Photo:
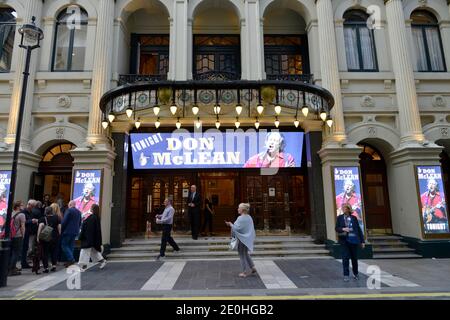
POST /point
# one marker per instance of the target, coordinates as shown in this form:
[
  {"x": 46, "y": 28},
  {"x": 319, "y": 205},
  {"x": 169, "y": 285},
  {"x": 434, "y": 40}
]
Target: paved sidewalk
[{"x": 280, "y": 278}]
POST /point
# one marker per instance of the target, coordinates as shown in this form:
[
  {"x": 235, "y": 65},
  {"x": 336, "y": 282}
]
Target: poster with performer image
[
  {"x": 5, "y": 181},
  {"x": 347, "y": 190},
  {"x": 432, "y": 200},
  {"x": 87, "y": 187}
]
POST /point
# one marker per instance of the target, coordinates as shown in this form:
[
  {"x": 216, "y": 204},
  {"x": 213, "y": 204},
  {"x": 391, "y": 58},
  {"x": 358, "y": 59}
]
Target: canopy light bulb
[
  {"x": 195, "y": 110},
  {"x": 173, "y": 109},
  {"x": 277, "y": 109},
  {"x": 296, "y": 123},
  {"x": 237, "y": 123},
  {"x": 156, "y": 110},
  {"x": 257, "y": 124},
  {"x": 157, "y": 123},
  {"x": 305, "y": 111},
  {"x": 329, "y": 122},
  {"x": 217, "y": 109},
  {"x": 217, "y": 124},
  {"x": 178, "y": 124},
  {"x": 260, "y": 109},
  {"x": 277, "y": 123},
  {"x": 198, "y": 124},
  {"x": 105, "y": 124},
  {"x": 323, "y": 115},
  {"x": 111, "y": 117},
  {"x": 238, "y": 109},
  {"x": 129, "y": 112},
  {"x": 138, "y": 123}
]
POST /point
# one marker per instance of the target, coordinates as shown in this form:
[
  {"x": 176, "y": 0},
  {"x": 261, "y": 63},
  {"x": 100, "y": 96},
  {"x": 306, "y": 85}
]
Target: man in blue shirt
[
  {"x": 70, "y": 227},
  {"x": 166, "y": 220}
]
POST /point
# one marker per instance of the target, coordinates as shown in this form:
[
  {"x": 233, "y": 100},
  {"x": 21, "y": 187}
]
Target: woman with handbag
[
  {"x": 47, "y": 238},
  {"x": 91, "y": 239},
  {"x": 243, "y": 231}
]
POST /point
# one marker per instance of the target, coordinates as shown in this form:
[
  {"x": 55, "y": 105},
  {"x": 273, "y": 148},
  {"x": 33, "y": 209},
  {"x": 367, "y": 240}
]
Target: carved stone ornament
[
  {"x": 444, "y": 132},
  {"x": 439, "y": 102},
  {"x": 372, "y": 131},
  {"x": 64, "y": 101},
  {"x": 59, "y": 133},
  {"x": 367, "y": 102}
]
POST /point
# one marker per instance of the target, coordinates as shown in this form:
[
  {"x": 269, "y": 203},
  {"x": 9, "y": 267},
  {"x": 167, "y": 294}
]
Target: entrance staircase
[
  {"x": 216, "y": 248},
  {"x": 391, "y": 247}
]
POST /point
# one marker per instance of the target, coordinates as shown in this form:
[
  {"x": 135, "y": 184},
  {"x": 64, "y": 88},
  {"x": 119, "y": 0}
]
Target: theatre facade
[{"x": 295, "y": 106}]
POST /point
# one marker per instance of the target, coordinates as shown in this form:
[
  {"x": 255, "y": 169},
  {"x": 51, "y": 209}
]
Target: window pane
[
  {"x": 420, "y": 49},
  {"x": 434, "y": 48},
  {"x": 367, "y": 49},
  {"x": 6, "y": 46},
  {"x": 351, "y": 48},
  {"x": 79, "y": 48},
  {"x": 62, "y": 48}
]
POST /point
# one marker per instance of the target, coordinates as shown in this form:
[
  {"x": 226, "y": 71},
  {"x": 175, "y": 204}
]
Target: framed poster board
[
  {"x": 347, "y": 190},
  {"x": 87, "y": 188},
  {"x": 431, "y": 197},
  {"x": 5, "y": 182}
]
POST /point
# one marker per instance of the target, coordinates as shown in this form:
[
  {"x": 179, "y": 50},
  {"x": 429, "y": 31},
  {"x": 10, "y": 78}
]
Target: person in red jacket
[{"x": 350, "y": 197}]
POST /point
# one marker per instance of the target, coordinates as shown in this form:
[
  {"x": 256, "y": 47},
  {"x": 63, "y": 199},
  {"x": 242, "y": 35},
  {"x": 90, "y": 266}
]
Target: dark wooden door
[{"x": 375, "y": 192}]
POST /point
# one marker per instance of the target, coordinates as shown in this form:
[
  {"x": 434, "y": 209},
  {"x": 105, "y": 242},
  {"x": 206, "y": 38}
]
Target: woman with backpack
[
  {"x": 47, "y": 237},
  {"x": 91, "y": 239}
]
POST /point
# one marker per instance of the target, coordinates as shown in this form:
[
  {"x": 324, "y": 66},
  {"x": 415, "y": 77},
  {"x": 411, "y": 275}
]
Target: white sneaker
[{"x": 102, "y": 264}]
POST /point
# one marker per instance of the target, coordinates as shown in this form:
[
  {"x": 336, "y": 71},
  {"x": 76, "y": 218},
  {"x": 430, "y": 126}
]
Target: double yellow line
[
  {"x": 290, "y": 297},
  {"x": 26, "y": 295}
]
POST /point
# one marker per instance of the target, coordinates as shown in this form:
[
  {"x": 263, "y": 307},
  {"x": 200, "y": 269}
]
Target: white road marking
[
  {"x": 272, "y": 276},
  {"x": 166, "y": 276}
]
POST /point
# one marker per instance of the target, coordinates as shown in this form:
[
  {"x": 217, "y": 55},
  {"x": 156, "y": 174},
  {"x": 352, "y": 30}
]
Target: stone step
[
  {"x": 386, "y": 250},
  {"x": 210, "y": 255},
  {"x": 384, "y": 238},
  {"x": 397, "y": 256},
  {"x": 389, "y": 244}
]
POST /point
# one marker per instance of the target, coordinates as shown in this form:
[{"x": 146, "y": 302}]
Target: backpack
[
  {"x": 46, "y": 234},
  {"x": 12, "y": 228}
]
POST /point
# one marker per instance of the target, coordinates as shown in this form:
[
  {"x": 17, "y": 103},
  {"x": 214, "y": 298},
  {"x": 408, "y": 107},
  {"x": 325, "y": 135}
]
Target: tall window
[
  {"x": 70, "y": 40},
  {"x": 7, "y": 31},
  {"x": 286, "y": 57},
  {"x": 359, "y": 42},
  {"x": 150, "y": 55},
  {"x": 427, "y": 41},
  {"x": 217, "y": 57}
]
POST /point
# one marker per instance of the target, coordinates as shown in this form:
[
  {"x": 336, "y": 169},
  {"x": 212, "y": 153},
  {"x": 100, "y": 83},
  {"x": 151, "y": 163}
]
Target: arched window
[
  {"x": 70, "y": 40},
  {"x": 7, "y": 32},
  {"x": 359, "y": 42},
  {"x": 427, "y": 41}
]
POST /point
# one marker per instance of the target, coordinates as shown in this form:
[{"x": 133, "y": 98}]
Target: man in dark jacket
[
  {"x": 194, "y": 203},
  {"x": 30, "y": 232},
  {"x": 70, "y": 227},
  {"x": 350, "y": 237}
]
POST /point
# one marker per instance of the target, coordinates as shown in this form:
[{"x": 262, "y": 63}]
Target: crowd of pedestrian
[{"x": 43, "y": 234}]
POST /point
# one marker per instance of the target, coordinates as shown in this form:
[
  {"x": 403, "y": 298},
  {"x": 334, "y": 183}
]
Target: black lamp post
[{"x": 31, "y": 38}]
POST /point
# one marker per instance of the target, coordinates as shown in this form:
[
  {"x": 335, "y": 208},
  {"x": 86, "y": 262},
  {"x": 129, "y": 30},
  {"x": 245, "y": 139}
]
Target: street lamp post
[{"x": 31, "y": 37}]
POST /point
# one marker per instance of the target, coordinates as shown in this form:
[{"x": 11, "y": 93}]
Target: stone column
[
  {"x": 252, "y": 39},
  {"x": 32, "y": 8},
  {"x": 409, "y": 118},
  {"x": 313, "y": 140},
  {"x": 180, "y": 33},
  {"x": 101, "y": 73},
  {"x": 329, "y": 66}
]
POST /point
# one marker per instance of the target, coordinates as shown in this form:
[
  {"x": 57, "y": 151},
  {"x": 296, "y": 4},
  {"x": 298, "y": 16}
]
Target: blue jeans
[
  {"x": 67, "y": 246},
  {"x": 349, "y": 252}
]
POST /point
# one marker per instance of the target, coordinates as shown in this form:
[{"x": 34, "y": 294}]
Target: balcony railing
[
  {"x": 217, "y": 76},
  {"x": 132, "y": 78},
  {"x": 305, "y": 78}
]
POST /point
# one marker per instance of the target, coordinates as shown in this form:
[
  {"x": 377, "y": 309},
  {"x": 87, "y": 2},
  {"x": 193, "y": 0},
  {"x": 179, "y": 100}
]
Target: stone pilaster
[
  {"x": 329, "y": 66},
  {"x": 409, "y": 118},
  {"x": 101, "y": 73},
  {"x": 32, "y": 8},
  {"x": 180, "y": 43},
  {"x": 252, "y": 42}
]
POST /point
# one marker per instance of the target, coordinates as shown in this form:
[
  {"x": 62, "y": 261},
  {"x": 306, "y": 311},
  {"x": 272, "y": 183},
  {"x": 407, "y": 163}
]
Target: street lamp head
[{"x": 31, "y": 33}]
